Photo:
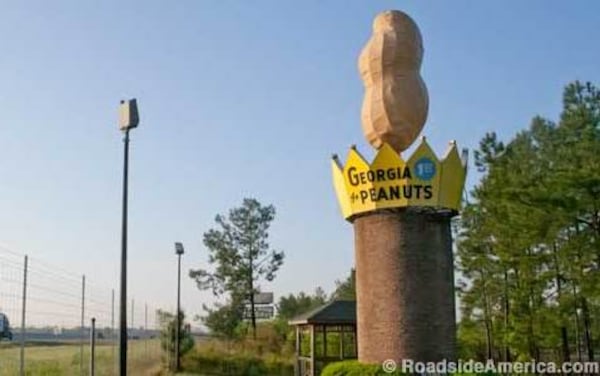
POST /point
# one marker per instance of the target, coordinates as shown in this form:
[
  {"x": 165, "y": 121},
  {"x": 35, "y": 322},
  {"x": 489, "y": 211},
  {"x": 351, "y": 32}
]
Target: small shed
[{"x": 324, "y": 335}]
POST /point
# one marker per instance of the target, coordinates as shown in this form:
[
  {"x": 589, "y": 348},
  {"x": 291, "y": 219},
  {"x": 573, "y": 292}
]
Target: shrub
[
  {"x": 168, "y": 333},
  {"x": 354, "y": 368}
]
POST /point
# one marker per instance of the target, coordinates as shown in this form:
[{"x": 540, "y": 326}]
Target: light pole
[
  {"x": 128, "y": 119},
  {"x": 178, "y": 252}
]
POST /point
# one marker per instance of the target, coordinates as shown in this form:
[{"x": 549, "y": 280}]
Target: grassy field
[{"x": 51, "y": 359}]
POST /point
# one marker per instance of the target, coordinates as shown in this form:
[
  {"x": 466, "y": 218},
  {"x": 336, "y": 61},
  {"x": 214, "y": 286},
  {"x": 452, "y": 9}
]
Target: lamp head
[
  {"x": 178, "y": 248},
  {"x": 128, "y": 114}
]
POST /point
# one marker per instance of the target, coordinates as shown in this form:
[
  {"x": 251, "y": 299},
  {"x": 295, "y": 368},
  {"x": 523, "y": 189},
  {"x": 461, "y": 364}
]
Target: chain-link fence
[{"x": 45, "y": 323}]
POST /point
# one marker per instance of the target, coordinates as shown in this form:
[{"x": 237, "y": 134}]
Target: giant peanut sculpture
[
  {"x": 395, "y": 103},
  {"x": 400, "y": 207}
]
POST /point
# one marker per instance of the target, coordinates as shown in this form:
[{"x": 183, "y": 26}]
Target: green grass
[{"x": 144, "y": 358}]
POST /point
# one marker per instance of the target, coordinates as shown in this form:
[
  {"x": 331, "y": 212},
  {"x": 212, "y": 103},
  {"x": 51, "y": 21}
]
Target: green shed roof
[{"x": 336, "y": 312}]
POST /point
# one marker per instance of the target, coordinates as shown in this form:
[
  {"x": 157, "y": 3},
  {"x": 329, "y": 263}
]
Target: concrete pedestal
[{"x": 404, "y": 286}]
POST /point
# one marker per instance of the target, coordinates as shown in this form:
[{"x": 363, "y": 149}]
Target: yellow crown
[{"x": 390, "y": 182}]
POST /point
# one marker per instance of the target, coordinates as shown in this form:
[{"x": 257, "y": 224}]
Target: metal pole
[
  {"x": 146, "y": 330},
  {"x": 132, "y": 328},
  {"x": 112, "y": 330},
  {"x": 123, "y": 300},
  {"x": 132, "y": 306},
  {"x": 23, "y": 310},
  {"x": 93, "y": 346},
  {"x": 178, "y": 319},
  {"x": 82, "y": 325}
]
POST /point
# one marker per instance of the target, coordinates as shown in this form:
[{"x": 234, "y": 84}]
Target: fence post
[
  {"x": 23, "y": 310},
  {"x": 146, "y": 330},
  {"x": 132, "y": 328},
  {"x": 92, "y": 346},
  {"x": 112, "y": 331},
  {"x": 82, "y": 325},
  {"x": 132, "y": 305}
]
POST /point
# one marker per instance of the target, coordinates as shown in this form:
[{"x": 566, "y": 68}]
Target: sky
[{"x": 239, "y": 99}]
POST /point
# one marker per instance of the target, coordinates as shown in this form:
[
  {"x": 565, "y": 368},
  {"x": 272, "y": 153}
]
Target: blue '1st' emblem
[{"x": 425, "y": 169}]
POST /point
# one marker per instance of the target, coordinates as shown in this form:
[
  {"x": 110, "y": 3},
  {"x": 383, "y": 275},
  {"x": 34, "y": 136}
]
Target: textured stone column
[{"x": 404, "y": 286}]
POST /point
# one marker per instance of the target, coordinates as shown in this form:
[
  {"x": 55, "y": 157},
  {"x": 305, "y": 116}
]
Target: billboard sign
[
  {"x": 263, "y": 298},
  {"x": 263, "y": 312}
]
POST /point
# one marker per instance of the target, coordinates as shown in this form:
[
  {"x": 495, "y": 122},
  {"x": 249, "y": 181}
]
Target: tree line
[{"x": 528, "y": 239}]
